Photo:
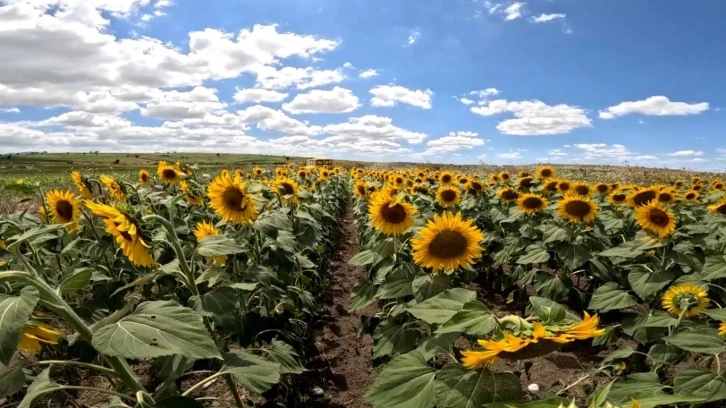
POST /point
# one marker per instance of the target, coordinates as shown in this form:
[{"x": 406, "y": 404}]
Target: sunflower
[
  {"x": 522, "y": 174},
  {"x": 563, "y": 186},
  {"x": 545, "y": 172},
  {"x": 446, "y": 178},
  {"x": 602, "y": 188},
  {"x": 447, "y": 242},
  {"x": 126, "y": 233},
  {"x": 494, "y": 178},
  {"x": 420, "y": 188},
  {"x": 722, "y": 329},
  {"x": 398, "y": 180},
  {"x": 618, "y": 197},
  {"x": 34, "y": 334},
  {"x": 144, "y": 177},
  {"x": 64, "y": 208},
  {"x": 230, "y": 200},
  {"x": 655, "y": 217},
  {"x": 288, "y": 188},
  {"x": 390, "y": 216},
  {"x": 586, "y": 329},
  {"x": 551, "y": 186},
  {"x": 691, "y": 196},
  {"x": 718, "y": 185},
  {"x": 359, "y": 189},
  {"x": 323, "y": 174},
  {"x": 697, "y": 187},
  {"x": 504, "y": 176},
  {"x": 642, "y": 196},
  {"x": 525, "y": 182},
  {"x": 239, "y": 172},
  {"x": 81, "y": 184},
  {"x": 258, "y": 171},
  {"x": 666, "y": 196},
  {"x": 2, "y": 246},
  {"x": 167, "y": 173},
  {"x": 475, "y": 187},
  {"x": 372, "y": 188},
  {"x": 507, "y": 195},
  {"x": 582, "y": 189},
  {"x": 718, "y": 208},
  {"x": 302, "y": 173},
  {"x": 463, "y": 180},
  {"x": 685, "y": 299},
  {"x": 448, "y": 196},
  {"x": 115, "y": 190},
  {"x": 205, "y": 229},
  {"x": 531, "y": 203},
  {"x": 679, "y": 184},
  {"x": 577, "y": 209},
  {"x": 191, "y": 197}
]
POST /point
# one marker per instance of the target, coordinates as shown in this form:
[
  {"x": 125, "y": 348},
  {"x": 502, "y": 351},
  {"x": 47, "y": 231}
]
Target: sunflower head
[
  {"x": 685, "y": 299},
  {"x": 602, "y": 188},
  {"x": 504, "y": 176},
  {"x": 83, "y": 186},
  {"x": 642, "y": 196},
  {"x": 718, "y": 185},
  {"x": 144, "y": 177},
  {"x": 531, "y": 203},
  {"x": 448, "y": 196},
  {"x": 229, "y": 198},
  {"x": 564, "y": 186},
  {"x": 258, "y": 171},
  {"x": 115, "y": 189},
  {"x": 507, "y": 195},
  {"x": 618, "y": 197},
  {"x": 691, "y": 196},
  {"x": 522, "y": 174},
  {"x": 168, "y": 173},
  {"x": 666, "y": 196},
  {"x": 494, "y": 178},
  {"x": 206, "y": 229},
  {"x": 446, "y": 177},
  {"x": 390, "y": 216},
  {"x": 582, "y": 189},
  {"x": 551, "y": 186},
  {"x": 420, "y": 189},
  {"x": 447, "y": 242},
  {"x": 360, "y": 190},
  {"x": 287, "y": 188},
  {"x": 525, "y": 182},
  {"x": 697, "y": 187},
  {"x": 679, "y": 183},
  {"x": 545, "y": 172},
  {"x": 656, "y": 218},
  {"x": 64, "y": 208},
  {"x": 34, "y": 335},
  {"x": 718, "y": 208},
  {"x": 475, "y": 187},
  {"x": 577, "y": 209}
]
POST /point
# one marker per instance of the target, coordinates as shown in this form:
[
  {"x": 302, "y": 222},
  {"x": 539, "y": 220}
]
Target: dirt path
[{"x": 343, "y": 365}]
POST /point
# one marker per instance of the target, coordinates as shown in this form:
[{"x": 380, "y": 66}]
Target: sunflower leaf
[
  {"x": 474, "y": 318},
  {"x": 15, "y": 312},
  {"x": 646, "y": 283},
  {"x": 457, "y": 387},
  {"x": 392, "y": 338},
  {"x": 283, "y": 354},
  {"x": 406, "y": 382},
  {"x": 12, "y": 378},
  {"x": 700, "y": 382},
  {"x": 216, "y": 245},
  {"x": 704, "y": 340},
  {"x": 429, "y": 285},
  {"x": 636, "y": 386},
  {"x": 440, "y": 308},
  {"x": 271, "y": 223},
  {"x": 40, "y": 387},
  {"x": 714, "y": 267},
  {"x": 78, "y": 280},
  {"x": 364, "y": 293},
  {"x": 535, "y": 253},
  {"x": 610, "y": 297},
  {"x": 253, "y": 372},
  {"x": 221, "y": 300}
]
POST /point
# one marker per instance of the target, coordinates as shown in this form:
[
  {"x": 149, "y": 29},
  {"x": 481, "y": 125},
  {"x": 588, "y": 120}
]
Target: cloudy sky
[{"x": 452, "y": 81}]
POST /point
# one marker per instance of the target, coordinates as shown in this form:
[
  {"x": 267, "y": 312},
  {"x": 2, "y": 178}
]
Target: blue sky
[{"x": 452, "y": 81}]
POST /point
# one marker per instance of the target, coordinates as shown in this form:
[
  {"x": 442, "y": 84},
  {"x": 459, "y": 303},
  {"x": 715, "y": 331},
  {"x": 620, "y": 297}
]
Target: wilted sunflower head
[
  {"x": 551, "y": 186},
  {"x": 389, "y": 215},
  {"x": 577, "y": 209},
  {"x": 144, "y": 177},
  {"x": 642, "y": 196},
  {"x": 545, "y": 172},
  {"x": 602, "y": 188},
  {"x": 447, "y": 242},
  {"x": 475, "y": 187},
  {"x": 685, "y": 299},
  {"x": 448, "y": 196},
  {"x": 718, "y": 208},
  {"x": 656, "y": 218},
  {"x": 582, "y": 189},
  {"x": 446, "y": 177},
  {"x": 691, "y": 196},
  {"x": 531, "y": 203},
  {"x": 64, "y": 208},
  {"x": 564, "y": 186},
  {"x": 507, "y": 195},
  {"x": 525, "y": 182},
  {"x": 359, "y": 189},
  {"x": 81, "y": 184}
]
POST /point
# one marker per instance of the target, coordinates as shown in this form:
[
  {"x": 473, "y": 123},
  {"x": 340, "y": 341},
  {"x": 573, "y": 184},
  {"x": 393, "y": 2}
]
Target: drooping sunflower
[
  {"x": 545, "y": 172},
  {"x": 360, "y": 190},
  {"x": 642, "y": 197},
  {"x": 525, "y": 182},
  {"x": 655, "y": 217},
  {"x": 551, "y": 186},
  {"x": 582, "y": 189},
  {"x": 82, "y": 185},
  {"x": 288, "y": 188},
  {"x": 144, "y": 177},
  {"x": 231, "y": 201},
  {"x": 563, "y": 186},
  {"x": 389, "y": 215},
  {"x": 722, "y": 329},
  {"x": 34, "y": 335},
  {"x": 602, "y": 188},
  {"x": 504, "y": 176},
  {"x": 421, "y": 189},
  {"x": 507, "y": 195},
  {"x": 447, "y": 242},
  {"x": 168, "y": 173},
  {"x": 718, "y": 208},
  {"x": 448, "y": 196},
  {"x": 475, "y": 187},
  {"x": 618, "y": 197},
  {"x": 531, "y": 203},
  {"x": 446, "y": 178},
  {"x": 115, "y": 190},
  {"x": 686, "y": 299},
  {"x": 577, "y": 209},
  {"x": 126, "y": 233},
  {"x": 494, "y": 178},
  {"x": 64, "y": 208},
  {"x": 691, "y": 196},
  {"x": 205, "y": 229},
  {"x": 190, "y": 195}
]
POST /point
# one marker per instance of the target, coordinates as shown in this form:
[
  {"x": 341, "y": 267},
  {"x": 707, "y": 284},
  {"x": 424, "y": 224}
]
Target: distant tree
[
  {"x": 217, "y": 154},
  {"x": 116, "y": 161},
  {"x": 136, "y": 155},
  {"x": 96, "y": 152},
  {"x": 10, "y": 156},
  {"x": 84, "y": 153}
]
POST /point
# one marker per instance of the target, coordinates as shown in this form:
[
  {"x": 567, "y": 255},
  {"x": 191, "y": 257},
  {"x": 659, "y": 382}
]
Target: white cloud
[
  {"x": 389, "y": 95},
  {"x": 258, "y": 95},
  {"x": 9, "y": 110},
  {"x": 535, "y": 117},
  {"x": 602, "y": 150},
  {"x": 368, "y": 73},
  {"x": 196, "y": 103},
  {"x": 485, "y": 92},
  {"x": 510, "y": 155},
  {"x": 556, "y": 152},
  {"x": 302, "y": 78},
  {"x": 646, "y": 157},
  {"x": 347, "y": 65},
  {"x": 654, "y": 106},
  {"x": 682, "y": 153},
  {"x": 371, "y": 127},
  {"x": 466, "y": 101},
  {"x": 337, "y": 100},
  {"x": 413, "y": 37},
  {"x": 454, "y": 141},
  {"x": 544, "y": 18},
  {"x": 513, "y": 12}
]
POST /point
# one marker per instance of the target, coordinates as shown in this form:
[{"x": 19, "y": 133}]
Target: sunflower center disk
[
  {"x": 448, "y": 244},
  {"x": 126, "y": 236},
  {"x": 445, "y": 179},
  {"x": 448, "y": 195},
  {"x": 659, "y": 217},
  {"x": 577, "y": 208},
  {"x": 169, "y": 173},
  {"x": 721, "y": 209},
  {"x": 532, "y": 202},
  {"x": 394, "y": 214},
  {"x": 233, "y": 198},
  {"x": 64, "y": 209},
  {"x": 510, "y": 195},
  {"x": 643, "y": 198},
  {"x": 581, "y": 190},
  {"x": 288, "y": 188}
]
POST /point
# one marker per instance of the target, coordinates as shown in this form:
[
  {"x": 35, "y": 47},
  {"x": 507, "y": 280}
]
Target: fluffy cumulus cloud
[
  {"x": 686, "y": 153},
  {"x": 511, "y": 155},
  {"x": 535, "y": 117},
  {"x": 654, "y": 106},
  {"x": 513, "y": 11},
  {"x": 369, "y": 73},
  {"x": 258, "y": 95},
  {"x": 390, "y": 95},
  {"x": 453, "y": 142},
  {"x": 337, "y": 100}
]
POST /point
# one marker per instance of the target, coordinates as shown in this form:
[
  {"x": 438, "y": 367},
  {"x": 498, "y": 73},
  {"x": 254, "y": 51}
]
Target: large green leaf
[
  {"x": 253, "y": 372},
  {"x": 365, "y": 257},
  {"x": 14, "y": 314},
  {"x": 574, "y": 256},
  {"x": 610, "y": 297},
  {"x": 535, "y": 253},
  {"x": 154, "y": 329},
  {"x": 646, "y": 283},
  {"x": 78, "y": 280},
  {"x": 537, "y": 303},
  {"x": 406, "y": 382},
  {"x": 392, "y": 338},
  {"x": 437, "y": 344},
  {"x": 705, "y": 340},
  {"x": 619, "y": 354},
  {"x": 714, "y": 267},
  {"x": 661, "y": 400},
  {"x": 284, "y": 355},
  {"x": 457, "y": 387},
  {"x": 636, "y": 386},
  {"x": 552, "y": 287},
  {"x": 718, "y": 314},
  {"x": 40, "y": 387},
  {"x": 272, "y": 223},
  {"x": 12, "y": 377},
  {"x": 429, "y": 285},
  {"x": 397, "y": 284},
  {"x": 554, "y": 233},
  {"x": 441, "y": 308},
  {"x": 700, "y": 382},
  {"x": 665, "y": 354},
  {"x": 474, "y": 318},
  {"x": 364, "y": 293},
  {"x": 221, "y": 300},
  {"x": 215, "y": 245}
]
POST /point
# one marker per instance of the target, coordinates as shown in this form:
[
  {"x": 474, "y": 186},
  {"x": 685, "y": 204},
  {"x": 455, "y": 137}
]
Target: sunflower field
[{"x": 189, "y": 279}]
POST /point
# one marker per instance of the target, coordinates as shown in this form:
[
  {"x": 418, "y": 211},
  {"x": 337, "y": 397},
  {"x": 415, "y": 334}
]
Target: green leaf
[
  {"x": 244, "y": 286},
  {"x": 714, "y": 267},
  {"x": 457, "y": 387},
  {"x": 12, "y": 378},
  {"x": 154, "y": 329},
  {"x": 539, "y": 302},
  {"x": 636, "y": 386},
  {"x": 552, "y": 287},
  {"x": 718, "y": 314},
  {"x": 535, "y": 253},
  {"x": 704, "y": 340},
  {"x": 33, "y": 233},
  {"x": 392, "y": 338},
  {"x": 624, "y": 250},
  {"x": 221, "y": 300},
  {"x": 554, "y": 233},
  {"x": 216, "y": 245},
  {"x": 429, "y": 285},
  {"x": 272, "y": 223},
  {"x": 441, "y": 308},
  {"x": 15, "y": 312},
  {"x": 609, "y": 297},
  {"x": 406, "y": 382},
  {"x": 253, "y": 372},
  {"x": 474, "y": 318},
  {"x": 363, "y": 258},
  {"x": 662, "y": 400},
  {"x": 574, "y": 255},
  {"x": 656, "y": 318},
  {"x": 20, "y": 188},
  {"x": 76, "y": 281},
  {"x": 41, "y": 386},
  {"x": 619, "y": 354},
  {"x": 178, "y": 402},
  {"x": 437, "y": 344},
  {"x": 168, "y": 369},
  {"x": 283, "y": 354},
  {"x": 397, "y": 284},
  {"x": 364, "y": 293},
  {"x": 599, "y": 397},
  {"x": 645, "y": 283},
  {"x": 700, "y": 382},
  {"x": 665, "y": 354}
]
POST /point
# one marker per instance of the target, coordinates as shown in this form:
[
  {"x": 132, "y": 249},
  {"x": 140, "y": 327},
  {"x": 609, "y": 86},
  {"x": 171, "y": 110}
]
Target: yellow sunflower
[
  {"x": 507, "y": 195},
  {"x": 667, "y": 196},
  {"x": 126, "y": 233},
  {"x": 144, "y": 177},
  {"x": 81, "y": 184},
  {"x": 531, "y": 203},
  {"x": 551, "y": 186},
  {"x": 582, "y": 189},
  {"x": 448, "y": 196},
  {"x": 463, "y": 180},
  {"x": 686, "y": 299},
  {"x": 288, "y": 188},
  {"x": 389, "y": 215},
  {"x": 230, "y": 200},
  {"x": 679, "y": 184},
  {"x": 722, "y": 329},
  {"x": 577, "y": 209},
  {"x": 2, "y": 246},
  {"x": 475, "y": 187},
  {"x": 718, "y": 185},
  {"x": 168, "y": 173},
  {"x": 545, "y": 172},
  {"x": 494, "y": 178},
  {"x": 697, "y": 187},
  {"x": 360, "y": 190},
  {"x": 718, "y": 208},
  {"x": 115, "y": 190},
  {"x": 563, "y": 186},
  {"x": 602, "y": 188},
  {"x": 302, "y": 173},
  {"x": 525, "y": 182},
  {"x": 64, "y": 208},
  {"x": 447, "y": 242},
  {"x": 618, "y": 197},
  {"x": 691, "y": 196},
  {"x": 34, "y": 335},
  {"x": 642, "y": 197},
  {"x": 191, "y": 196},
  {"x": 446, "y": 178},
  {"x": 421, "y": 189},
  {"x": 258, "y": 171},
  {"x": 656, "y": 218},
  {"x": 504, "y": 177},
  {"x": 205, "y": 229},
  {"x": 522, "y": 174}
]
